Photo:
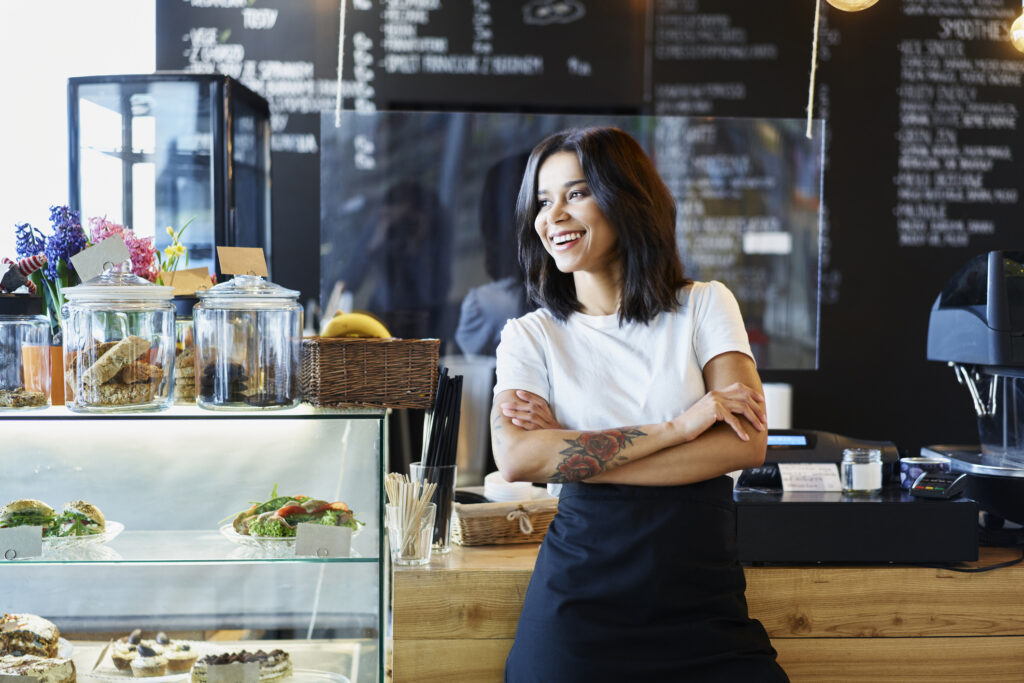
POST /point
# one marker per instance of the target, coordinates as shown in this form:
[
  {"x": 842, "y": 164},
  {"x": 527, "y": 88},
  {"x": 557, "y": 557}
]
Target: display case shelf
[{"x": 172, "y": 478}]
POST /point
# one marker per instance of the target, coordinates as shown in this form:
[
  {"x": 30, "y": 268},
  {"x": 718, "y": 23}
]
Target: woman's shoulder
[
  {"x": 697, "y": 292},
  {"x": 537, "y": 323}
]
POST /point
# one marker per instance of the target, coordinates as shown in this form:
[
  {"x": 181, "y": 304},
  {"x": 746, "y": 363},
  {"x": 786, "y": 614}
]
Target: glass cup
[
  {"x": 409, "y": 535},
  {"x": 444, "y": 497}
]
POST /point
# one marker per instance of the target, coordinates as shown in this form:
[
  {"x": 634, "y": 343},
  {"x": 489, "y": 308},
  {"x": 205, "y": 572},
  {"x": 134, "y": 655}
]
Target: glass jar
[
  {"x": 24, "y": 353},
  {"x": 184, "y": 352},
  {"x": 118, "y": 344},
  {"x": 861, "y": 471},
  {"x": 248, "y": 345}
]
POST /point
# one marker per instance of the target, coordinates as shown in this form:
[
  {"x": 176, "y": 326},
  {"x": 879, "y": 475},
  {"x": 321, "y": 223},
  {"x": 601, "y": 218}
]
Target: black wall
[{"x": 920, "y": 99}]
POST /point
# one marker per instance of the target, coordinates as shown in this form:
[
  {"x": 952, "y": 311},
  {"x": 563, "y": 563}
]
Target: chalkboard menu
[{"x": 921, "y": 102}]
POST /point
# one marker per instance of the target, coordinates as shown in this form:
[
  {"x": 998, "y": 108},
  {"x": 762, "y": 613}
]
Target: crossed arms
[{"x": 722, "y": 432}]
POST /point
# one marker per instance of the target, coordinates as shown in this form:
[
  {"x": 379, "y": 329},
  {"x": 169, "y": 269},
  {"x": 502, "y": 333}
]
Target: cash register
[{"x": 774, "y": 525}]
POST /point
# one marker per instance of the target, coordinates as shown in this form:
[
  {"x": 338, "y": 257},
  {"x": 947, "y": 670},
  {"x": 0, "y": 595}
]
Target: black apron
[{"x": 640, "y": 583}]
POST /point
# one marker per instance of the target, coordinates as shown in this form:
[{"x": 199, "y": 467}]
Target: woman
[{"x": 634, "y": 388}]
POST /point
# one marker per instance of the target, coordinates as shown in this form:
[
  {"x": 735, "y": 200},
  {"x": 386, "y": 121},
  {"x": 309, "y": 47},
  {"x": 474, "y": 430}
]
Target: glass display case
[
  {"x": 170, "y": 485},
  {"x": 150, "y": 151}
]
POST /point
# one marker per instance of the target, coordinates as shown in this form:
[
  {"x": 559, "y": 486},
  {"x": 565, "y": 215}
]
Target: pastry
[
  {"x": 180, "y": 657},
  {"x": 148, "y": 663},
  {"x": 274, "y": 665},
  {"x": 139, "y": 371},
  {"x": 42, "y": 669},
  {"x": 117, "y": 357},
  {"x": 28, "y": 634}
]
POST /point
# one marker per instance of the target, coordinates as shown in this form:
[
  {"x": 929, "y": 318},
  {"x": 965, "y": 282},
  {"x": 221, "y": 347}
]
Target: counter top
[{"x": 454, "y": 619}]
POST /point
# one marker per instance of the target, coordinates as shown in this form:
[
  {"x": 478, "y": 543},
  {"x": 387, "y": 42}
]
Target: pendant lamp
[
  {"x": 1017, "y": 31},
  {"x": 851, "y": 5}
]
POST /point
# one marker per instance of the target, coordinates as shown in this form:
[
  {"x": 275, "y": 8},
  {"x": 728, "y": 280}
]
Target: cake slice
[
  {"x": 274, "y": 665},
  {"x": 28, "y": 634},
  {"x": 43, "y": 669}
]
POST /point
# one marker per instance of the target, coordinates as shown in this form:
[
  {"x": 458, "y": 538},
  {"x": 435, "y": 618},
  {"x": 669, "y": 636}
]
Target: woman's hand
[
  {"x": 530, "y": 412},
  {"x": 724, "y": 405}
]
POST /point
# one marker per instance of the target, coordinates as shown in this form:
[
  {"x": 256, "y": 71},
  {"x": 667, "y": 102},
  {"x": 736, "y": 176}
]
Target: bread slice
[
  {"x": 42, "y": 669},
  {"x": 28, "y": 634}
]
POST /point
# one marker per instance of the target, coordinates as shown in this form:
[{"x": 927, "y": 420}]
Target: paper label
[
  {"x": 235, "y": 672},
  {"x": 317, "y": 540},
  {"x": 93, "y": 261},
  {"x": 242, "y": 261},
  {"x": 810, "y": 476},
  {"x": 21, "y": 541},
  {"x": 188, "y": 281}
]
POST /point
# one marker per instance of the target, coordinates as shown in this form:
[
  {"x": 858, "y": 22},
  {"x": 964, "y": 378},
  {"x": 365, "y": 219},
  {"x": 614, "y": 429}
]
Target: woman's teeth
[{"x": 566, "y": 237}]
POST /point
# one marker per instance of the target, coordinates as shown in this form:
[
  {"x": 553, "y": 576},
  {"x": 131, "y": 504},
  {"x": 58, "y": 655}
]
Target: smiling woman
[{"x": 637, "y": 577}]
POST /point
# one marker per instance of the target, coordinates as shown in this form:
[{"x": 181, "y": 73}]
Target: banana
[{"x": 355, "y": 325}]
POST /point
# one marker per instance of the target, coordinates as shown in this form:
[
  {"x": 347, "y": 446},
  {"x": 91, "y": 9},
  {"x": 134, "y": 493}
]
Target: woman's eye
[
  {"x": 543, "y": 202},
  {"x": 575, "y": 194}
]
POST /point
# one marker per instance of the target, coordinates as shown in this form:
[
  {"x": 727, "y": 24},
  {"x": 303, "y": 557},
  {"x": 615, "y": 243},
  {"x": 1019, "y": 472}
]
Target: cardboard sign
[
  {"x": 235, "y": 672},
  {"x": 21, "y": 541},
  {"x": 188, "y": 281},
  {"x": 810, "y": 476},
  {"x": 317, "y": 540},
  {"x": 242, "y": 261},
  {"x": 93, "y": 261}
]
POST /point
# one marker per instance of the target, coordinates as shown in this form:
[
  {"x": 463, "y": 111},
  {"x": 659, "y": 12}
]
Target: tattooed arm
[
  {"x": 696, "y": 448},
  {"x": 530, "y": 446}
]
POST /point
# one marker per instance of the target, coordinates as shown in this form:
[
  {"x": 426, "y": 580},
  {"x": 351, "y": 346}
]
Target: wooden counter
[{"x": 454, "y": 620}]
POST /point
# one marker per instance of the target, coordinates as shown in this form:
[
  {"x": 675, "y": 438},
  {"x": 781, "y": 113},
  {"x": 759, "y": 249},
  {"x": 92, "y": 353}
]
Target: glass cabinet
[
  {"x": 169, "y": 485},
  {"x": 155, "y": 150}
]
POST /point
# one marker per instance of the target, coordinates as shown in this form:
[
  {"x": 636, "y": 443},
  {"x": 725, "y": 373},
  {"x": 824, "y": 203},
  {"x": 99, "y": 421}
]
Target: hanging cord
[
  {"x": 814, "y": 67},
  {"x": 341, "y": 62}
]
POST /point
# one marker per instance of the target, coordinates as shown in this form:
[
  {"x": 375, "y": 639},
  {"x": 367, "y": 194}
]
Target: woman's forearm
[
  {"x": 566, "y": 455},
  {"x": 714, "y": 453}
]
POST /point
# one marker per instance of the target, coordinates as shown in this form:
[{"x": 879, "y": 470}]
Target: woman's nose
[{"x": 557, "y": 212}]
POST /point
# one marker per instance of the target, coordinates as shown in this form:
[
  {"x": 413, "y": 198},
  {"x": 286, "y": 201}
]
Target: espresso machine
[{"x": 977, "y": 327}]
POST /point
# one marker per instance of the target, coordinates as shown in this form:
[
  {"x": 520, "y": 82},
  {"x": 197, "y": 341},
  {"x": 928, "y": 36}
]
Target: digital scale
[{"x": 800, "y": 527}]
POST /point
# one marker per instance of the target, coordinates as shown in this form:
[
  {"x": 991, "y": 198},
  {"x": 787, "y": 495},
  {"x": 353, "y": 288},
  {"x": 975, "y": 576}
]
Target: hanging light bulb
[
  {"x": 851, "y": 5},
  {"x": 1017, "y": 31}
]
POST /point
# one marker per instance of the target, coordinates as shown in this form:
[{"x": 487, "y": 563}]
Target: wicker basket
[
  {"x": 378, "y": 373},
  {"x": 495, "y": 523}
]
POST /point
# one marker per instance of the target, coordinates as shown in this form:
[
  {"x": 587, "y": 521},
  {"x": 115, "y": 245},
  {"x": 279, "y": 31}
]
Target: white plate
[
  {"x": 107, "y": 535},
  {"x": 270, "y": 543},
  {"x": 106, "y": 671},
  {"x": 313, "y": 676},
  {"x": 273, "y": 544},
  {"x": 64, "y": 648}
]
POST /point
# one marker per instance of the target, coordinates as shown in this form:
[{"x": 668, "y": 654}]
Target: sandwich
[
  {"x": 26, "y": 512},
  {"x": 79, "y": 518},
  {"x": 280, "y": 516}
]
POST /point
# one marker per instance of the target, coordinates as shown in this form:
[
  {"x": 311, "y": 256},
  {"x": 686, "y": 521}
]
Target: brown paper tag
[
  {"x": 242, "y": 261},
  {"x": 188, "y": 281}
]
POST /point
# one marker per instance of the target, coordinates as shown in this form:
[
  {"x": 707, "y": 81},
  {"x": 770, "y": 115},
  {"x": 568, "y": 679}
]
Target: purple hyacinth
[
  {"x": 67, "y": 239},
  {"x": 28, "y": 240}
]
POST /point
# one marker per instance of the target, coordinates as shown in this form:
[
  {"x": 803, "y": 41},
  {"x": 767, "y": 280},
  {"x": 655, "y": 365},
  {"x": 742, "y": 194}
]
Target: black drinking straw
[{"x": 440, "y": 441}]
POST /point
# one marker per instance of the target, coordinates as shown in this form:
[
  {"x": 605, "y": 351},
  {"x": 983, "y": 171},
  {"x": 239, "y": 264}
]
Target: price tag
[
  {"x": 810, "y": 476},
  {"x": 235, "y": 672},
  {"x": 92, "y": 261},
  {"x": 242, "y": 261},
  {"x": 21, "y": 541},
  {"x": 317, "y": 540},
  {"x": 188, "y": 281}
]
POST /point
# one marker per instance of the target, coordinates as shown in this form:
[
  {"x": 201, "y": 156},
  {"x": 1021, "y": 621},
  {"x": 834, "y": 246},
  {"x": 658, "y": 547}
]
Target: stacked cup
[{"x": 498, "y": 490}]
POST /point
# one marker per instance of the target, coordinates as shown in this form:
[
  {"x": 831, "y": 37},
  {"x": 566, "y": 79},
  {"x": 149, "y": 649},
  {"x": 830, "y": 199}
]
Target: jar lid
[
  {"x": 116, "y": 285},
  {"x": 251, "y": 287},
  {"x": 21, "y": 304}
]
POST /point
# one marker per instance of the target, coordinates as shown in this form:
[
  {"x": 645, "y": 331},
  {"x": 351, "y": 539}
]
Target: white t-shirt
[{"x": 597, "y": 375}]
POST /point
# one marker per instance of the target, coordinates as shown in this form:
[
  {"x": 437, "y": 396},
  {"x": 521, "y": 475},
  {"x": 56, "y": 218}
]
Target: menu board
[{"x": 919, "y": 99}]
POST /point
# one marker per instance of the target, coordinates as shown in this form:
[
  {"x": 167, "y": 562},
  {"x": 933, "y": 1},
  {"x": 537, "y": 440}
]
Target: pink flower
[{"x": 140, "y": 249}]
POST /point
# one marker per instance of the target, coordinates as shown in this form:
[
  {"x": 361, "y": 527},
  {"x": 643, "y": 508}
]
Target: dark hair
[{"x": 640, "y": 209}]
